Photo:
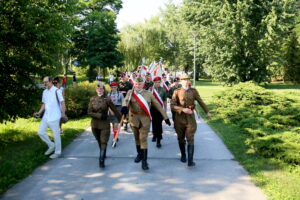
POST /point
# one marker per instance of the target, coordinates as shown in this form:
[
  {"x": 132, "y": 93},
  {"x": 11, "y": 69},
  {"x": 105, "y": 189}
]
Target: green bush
[
  {"x": 77, "y": 99},
  {"x": 270, "y": 121}
]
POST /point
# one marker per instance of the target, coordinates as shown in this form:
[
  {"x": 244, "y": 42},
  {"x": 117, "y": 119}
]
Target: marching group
[{"x": 139, "y": 101}]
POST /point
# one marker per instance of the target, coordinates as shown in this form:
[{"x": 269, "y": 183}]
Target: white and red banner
[
  {"x": 142, "y": 103},
  {"x": 158, "y": 97},
  {"x": 165, "y": 86}
]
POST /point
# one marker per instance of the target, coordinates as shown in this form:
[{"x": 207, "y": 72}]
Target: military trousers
[
  {"x": 140, "y": 126},
  {"x": 185, "y": 127},
  {"x": 157, "y": 119},
  {"x": 102, "y": 136}
]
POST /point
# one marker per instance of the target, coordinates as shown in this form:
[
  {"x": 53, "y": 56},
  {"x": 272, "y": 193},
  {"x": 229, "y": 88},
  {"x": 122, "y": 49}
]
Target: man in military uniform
[
  {"x": 175, "y": 86},
  {"x": 139, "y": 102},
  {"x": 124, "y": 87},
  {"x": 148, "y": 83},
  {"x": 161, "y": 96},
  {"x": 185, "y": 124},
  {"x": 97, "y": 109}
]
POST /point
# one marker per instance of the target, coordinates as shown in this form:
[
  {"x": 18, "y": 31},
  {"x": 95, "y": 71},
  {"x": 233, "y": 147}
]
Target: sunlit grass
[{"x": 21, "y": 149}]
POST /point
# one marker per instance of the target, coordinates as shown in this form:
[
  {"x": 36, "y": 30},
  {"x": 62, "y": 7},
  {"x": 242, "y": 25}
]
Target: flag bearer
[{"x": 161, "y": 96}]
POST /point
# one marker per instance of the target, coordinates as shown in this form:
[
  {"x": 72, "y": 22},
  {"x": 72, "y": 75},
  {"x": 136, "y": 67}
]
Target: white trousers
[{"x": 54, "y": 126}]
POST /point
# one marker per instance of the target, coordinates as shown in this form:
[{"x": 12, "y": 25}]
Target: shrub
[
  {"x": 77, "y": 99},
  {"x": 271, "y": 121}
]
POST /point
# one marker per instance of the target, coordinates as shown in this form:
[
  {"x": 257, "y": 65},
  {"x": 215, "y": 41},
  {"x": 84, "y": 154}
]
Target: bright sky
[{"x": 135, "y": 11}]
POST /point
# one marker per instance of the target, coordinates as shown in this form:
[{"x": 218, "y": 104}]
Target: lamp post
[{"x": 194, "y": 35}]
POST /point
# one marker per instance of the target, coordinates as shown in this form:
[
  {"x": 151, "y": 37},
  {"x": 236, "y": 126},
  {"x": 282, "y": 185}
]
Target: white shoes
[
  {"x": 53, "y": 156},
  {"x": 50, "y": 150}
]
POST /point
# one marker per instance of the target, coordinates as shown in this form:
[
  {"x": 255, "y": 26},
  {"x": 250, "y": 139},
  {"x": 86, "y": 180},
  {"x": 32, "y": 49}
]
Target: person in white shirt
[
  {"x": 54, "y": 107},
  {"x": 111, "y": 78}
]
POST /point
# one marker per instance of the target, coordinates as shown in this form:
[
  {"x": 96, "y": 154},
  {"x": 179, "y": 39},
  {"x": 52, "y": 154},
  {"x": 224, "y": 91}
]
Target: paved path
[{"x": 77, "y": 176}]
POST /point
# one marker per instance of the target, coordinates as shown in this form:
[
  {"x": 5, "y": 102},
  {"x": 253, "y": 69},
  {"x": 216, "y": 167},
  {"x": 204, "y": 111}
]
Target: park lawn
[
  {"x": 22, "y": 150},
  {"x": 279, "y": 181}
]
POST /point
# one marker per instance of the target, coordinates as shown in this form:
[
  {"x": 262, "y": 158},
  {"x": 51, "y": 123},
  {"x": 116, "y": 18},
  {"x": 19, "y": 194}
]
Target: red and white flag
[
  {"x": 142, "y": 103},
  {"x": 144, "y": 70},
  {"x": 158, "y": 97},
  {"x": 131, "y": 79}
]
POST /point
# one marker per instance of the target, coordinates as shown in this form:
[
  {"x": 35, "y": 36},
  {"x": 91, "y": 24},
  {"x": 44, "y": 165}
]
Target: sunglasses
[{"x": 54, "y": 83}]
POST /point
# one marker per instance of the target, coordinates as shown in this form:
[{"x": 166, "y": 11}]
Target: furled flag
[
  {"x": 144, "y": 70},
  {"x": 131, "y": 79}
]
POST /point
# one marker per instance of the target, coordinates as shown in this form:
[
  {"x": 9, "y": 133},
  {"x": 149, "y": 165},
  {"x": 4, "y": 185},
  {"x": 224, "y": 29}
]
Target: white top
[
  {"x": 52, "y": 108},
  {"x": 111, "y": 77},
  {"x": 116, "y": 97}
]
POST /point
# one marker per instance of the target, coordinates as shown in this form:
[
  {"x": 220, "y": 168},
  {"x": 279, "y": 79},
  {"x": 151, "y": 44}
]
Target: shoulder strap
[{"x": 57, "y": 98}]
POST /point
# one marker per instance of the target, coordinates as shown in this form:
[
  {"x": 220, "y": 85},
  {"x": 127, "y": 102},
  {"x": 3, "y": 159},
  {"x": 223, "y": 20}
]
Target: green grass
[
  {"x": 207, "y": 89},
  {"x": 279, "y": 180},
  {"x": 21, "y": 149}
]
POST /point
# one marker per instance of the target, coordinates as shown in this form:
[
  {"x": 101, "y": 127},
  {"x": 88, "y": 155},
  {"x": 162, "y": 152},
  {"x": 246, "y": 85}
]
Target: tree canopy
[
  {"x": 32, "y": 34},
  {"x": 35, "y": 35},
  {"x": 236, "y": 41}
]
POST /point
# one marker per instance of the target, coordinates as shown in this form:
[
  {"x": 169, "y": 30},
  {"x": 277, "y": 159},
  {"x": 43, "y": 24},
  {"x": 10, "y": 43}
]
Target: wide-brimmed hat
[{"x": 184, "y": 77}]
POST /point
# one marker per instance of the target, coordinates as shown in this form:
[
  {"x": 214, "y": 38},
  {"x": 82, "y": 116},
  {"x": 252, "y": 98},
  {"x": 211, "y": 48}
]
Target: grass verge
[
  {"x": 279, "y": 180},
  {"x": 21, "y": 149}
]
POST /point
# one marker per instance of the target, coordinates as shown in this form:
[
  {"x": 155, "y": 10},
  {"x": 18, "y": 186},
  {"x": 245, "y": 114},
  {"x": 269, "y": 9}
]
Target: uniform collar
[{"x": 139, "y": 92}]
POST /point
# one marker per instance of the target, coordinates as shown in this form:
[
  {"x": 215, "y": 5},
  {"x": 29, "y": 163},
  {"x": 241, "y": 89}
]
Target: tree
[
  {"x": 32, "y": 33},
  {"x": 179, "y": 39},
  {"x": 241, "y": 39},
  {"x": 146, "y": 39},
  {"x": 96, "y": 39}
]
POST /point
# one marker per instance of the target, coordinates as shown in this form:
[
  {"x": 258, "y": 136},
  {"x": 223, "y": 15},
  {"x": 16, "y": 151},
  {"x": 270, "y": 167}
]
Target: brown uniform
[
  {"x": 138, "y": 119},
  {"x": 99, "y": 106},
  {"x": 185, "y": 124}
]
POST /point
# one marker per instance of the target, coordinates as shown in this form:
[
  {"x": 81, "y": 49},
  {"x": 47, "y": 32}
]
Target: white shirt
[
  {"x": 111, "y": 77},
  {"x": 52, "y": 108}
]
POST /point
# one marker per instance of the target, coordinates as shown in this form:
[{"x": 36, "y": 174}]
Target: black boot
[
  {"x": 139, "y": 156},
  {"x": 144, "y": 161},
  {"x": 158, "y": 144},
  {"x": 182, "y": 150},
  {"x": 191, "y": 155},
  {"x": 102, "y": 158},
  {"x": 153, "y": 139}
]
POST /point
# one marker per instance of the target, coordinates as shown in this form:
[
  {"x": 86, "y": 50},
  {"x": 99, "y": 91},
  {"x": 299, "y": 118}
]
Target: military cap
[
  {"x": 123, "y": 75},
  {"x": 176, "y": 79},
  {"x": 139, "y": 79},
  {"x": 184, "y": 77},
  {"x": 114, "y": 84},
  {"x": 100, "y": 85},
  {"x": 157, "y": 78}
]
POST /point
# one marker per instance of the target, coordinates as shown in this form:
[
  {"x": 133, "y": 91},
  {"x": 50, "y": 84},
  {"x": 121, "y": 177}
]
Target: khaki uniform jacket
[
  {"x": 185, "y": 99},
  {"x": 136, "y": 112},
  {"x": 99, "y": 106}
]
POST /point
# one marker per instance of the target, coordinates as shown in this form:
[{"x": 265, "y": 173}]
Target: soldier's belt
[{"x": 138, "y": 113}]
